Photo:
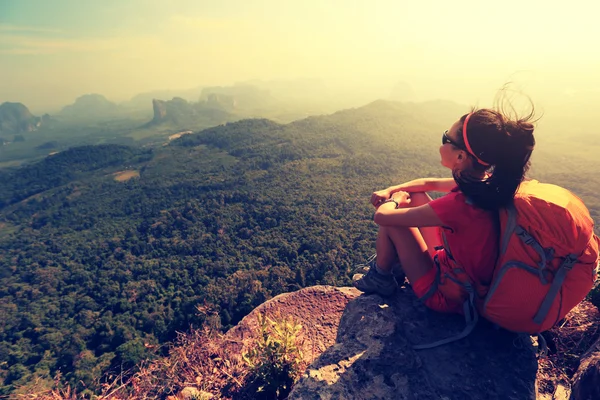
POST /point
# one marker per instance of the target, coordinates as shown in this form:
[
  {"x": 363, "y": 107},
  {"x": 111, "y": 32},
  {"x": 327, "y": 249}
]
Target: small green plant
[{"x": 275, "y": 361}]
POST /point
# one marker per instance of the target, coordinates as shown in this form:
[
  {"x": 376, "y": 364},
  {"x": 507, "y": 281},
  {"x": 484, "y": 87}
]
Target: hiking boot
[
  {"x": 374, "y": 282},
  {"x": 397, "y": 270}
]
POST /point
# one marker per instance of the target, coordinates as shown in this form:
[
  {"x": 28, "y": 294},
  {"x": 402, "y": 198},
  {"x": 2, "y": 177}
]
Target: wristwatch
[{"x": 392, "y": 200}]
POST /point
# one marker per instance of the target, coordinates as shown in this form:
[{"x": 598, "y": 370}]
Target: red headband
[{"x": 467, "y": 145}]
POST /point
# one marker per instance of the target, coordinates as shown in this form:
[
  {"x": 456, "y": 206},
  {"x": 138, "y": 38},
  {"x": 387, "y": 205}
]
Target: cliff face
[
  {"x": 248, "y": 97},
  {"x": 362, "y": 347},
  {"x": 160, "y": 110},
  {"x": 16, "y": 118},
  {"x": 185, "y": 114},
  {"x": 373, "y": 357},
  {"x": 221, "y": 102}
]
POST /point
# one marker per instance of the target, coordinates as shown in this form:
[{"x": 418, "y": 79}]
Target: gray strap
[
  {"x": 471, "y": 318},
  {"x": 446, "y": 247},
  {"x": 532, "y": 242},
  {"x": 559, "y": 278},
  {"x": 503, "y": 270},
  {"x": 433, "y": 287},
  {"x": 511, "y": 225}
]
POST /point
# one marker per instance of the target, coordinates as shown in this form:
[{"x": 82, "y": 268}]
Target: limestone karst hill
[{"x": 16, "y": 118}]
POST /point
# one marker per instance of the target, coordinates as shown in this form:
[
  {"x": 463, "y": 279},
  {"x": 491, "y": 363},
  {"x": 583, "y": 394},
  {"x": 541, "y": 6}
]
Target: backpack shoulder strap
[
  {"x": 559, "y": 278},
  {"x": 509, "y": 228}
]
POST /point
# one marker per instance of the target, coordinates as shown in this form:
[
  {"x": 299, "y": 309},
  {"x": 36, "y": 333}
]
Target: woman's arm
[
  {"x": 418, "y": 185},
  {"x": 388, "y": 215},
  {"x": 425, "y": 185}
]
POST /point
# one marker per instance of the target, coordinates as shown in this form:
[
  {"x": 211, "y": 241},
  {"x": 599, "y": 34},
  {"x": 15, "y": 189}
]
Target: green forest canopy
[{"x": 93, "y": 270}]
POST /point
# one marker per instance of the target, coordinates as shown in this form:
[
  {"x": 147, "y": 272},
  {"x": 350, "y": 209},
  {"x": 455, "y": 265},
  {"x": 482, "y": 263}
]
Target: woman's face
[{"x": 453, "y": 157}]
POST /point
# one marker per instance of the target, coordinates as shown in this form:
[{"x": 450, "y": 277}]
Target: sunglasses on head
[{"x": 447, "y": 139}]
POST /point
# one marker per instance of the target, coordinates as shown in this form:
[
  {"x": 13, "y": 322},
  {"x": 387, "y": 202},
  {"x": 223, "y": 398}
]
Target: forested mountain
[
  {"x": 149, "y": 119},
  {"x": 59, "y": 169},
  {"x": 106, "y": 251}
]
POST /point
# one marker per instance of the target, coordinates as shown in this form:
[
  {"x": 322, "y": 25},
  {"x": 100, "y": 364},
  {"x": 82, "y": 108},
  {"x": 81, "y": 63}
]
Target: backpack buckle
[
  {"x": 527, "y": 238},
  {"x": 569, "y": 261}
]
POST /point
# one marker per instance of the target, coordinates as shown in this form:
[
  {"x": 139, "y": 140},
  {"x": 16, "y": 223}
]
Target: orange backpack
[
  {"x": 547, "y": 261},
  {"x": 547, "y": 264}
]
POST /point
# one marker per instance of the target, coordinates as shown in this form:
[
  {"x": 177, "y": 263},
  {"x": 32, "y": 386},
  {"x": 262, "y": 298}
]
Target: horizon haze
[{"x": 463, "y": 51}]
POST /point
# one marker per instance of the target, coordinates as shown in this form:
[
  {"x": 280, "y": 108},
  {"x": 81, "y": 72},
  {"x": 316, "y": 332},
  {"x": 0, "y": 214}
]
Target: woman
[{"x": 488, "y": 154}]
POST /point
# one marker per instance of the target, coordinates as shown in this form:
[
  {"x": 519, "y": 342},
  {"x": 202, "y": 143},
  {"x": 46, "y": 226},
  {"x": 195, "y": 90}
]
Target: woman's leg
[
  {"x": 413, "y": 247},
  {"x": 417, "y": 265},
  {"x": 431, "y": 234},
  {"x": 406, "y": 244},
  {"x": 387, "y": 256},
  {"x": 409, "y": 245}
]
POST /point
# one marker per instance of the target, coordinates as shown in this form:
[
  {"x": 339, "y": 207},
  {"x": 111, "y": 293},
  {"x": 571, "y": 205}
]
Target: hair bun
[{"x": 521, "y": 133}]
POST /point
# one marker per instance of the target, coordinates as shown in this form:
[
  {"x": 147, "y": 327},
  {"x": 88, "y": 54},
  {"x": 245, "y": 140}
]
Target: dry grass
[
  {"x": 567, "y": 343},
  {"x": 179, "y": 134},
  {"x": 126, "y": 175},
  {"x": 202, "y": 359},
  {"x": 44, "y": 389}
]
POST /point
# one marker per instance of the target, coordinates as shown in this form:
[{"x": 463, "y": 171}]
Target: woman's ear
[{"x": 461, "y": 159}]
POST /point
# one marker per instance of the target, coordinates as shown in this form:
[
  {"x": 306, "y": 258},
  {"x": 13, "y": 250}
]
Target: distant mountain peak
[
  {"x": 93, "y": 104},
  {"x": 16, "y": 118},
  {"x": 185, "y": 114}
]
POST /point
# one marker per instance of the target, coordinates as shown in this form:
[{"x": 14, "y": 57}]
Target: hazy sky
[{"x": 52, "y": 51}]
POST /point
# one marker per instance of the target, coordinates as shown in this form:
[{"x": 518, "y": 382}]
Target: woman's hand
[
  {"x": 403, "y": 198},
  {"x": 380, "y": 196}
]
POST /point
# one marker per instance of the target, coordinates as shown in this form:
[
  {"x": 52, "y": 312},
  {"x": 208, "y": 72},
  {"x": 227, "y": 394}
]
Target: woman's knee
[{"x": 419, "y": 198}]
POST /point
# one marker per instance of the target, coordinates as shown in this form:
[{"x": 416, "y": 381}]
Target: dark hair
[{"x": 503, "y": 143}]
